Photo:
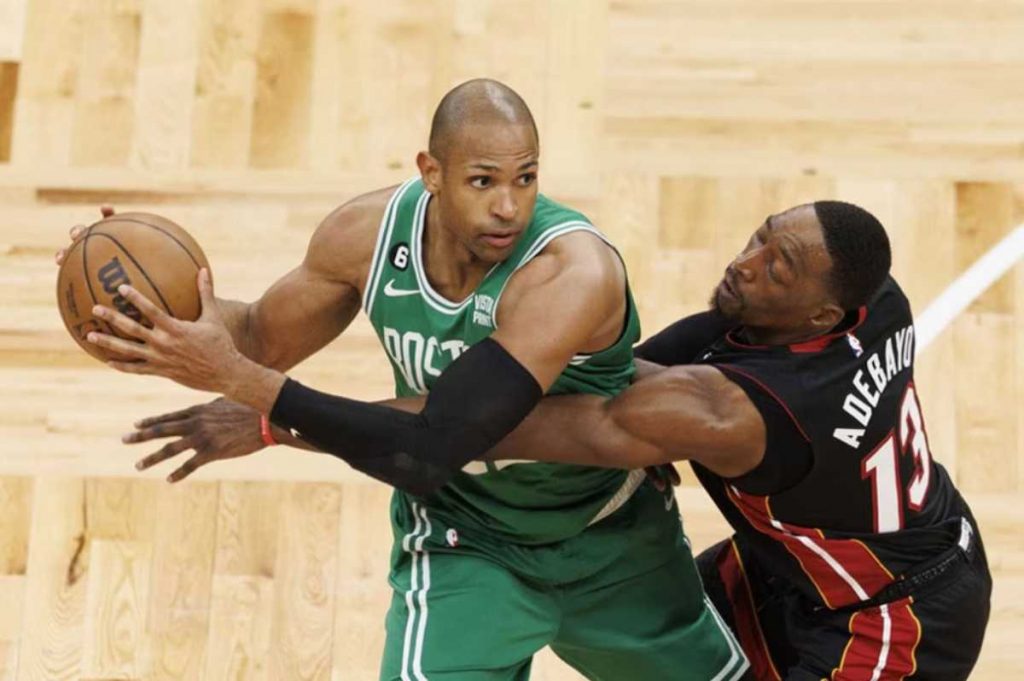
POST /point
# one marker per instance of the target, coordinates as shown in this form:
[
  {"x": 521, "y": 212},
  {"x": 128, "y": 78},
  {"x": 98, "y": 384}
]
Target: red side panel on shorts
[
  {"x": 883, "y": 644},
  {"x": 844, "y": 571},
  {"x": 748, "y": 627}
]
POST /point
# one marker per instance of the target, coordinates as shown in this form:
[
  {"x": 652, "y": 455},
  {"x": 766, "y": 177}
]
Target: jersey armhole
[
  {"x": 542, "y": 242},
  {"x": 384, "y": 231},
  {"x": 788, "y": 455}
]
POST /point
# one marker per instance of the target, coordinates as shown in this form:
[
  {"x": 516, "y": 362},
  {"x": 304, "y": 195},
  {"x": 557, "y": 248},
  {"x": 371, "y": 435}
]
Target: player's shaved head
[{"x": 481, "y": 101}]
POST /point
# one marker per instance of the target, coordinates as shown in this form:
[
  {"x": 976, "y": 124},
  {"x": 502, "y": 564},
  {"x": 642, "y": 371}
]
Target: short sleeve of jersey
[
  {"x": 682, "y": 341},
  {"x": 787, "y": 456}
]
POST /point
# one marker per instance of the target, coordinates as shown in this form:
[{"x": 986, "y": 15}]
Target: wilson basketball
[{"x": 152, "y": 254}]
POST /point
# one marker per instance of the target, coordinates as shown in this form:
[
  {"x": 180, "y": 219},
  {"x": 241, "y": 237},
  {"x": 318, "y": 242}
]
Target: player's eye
[
  {"x": 480, "y": 181},
  {"x": 526, "y": 179}
]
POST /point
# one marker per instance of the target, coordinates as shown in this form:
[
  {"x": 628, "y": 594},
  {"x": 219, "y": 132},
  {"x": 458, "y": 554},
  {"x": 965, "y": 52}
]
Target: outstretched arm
[
  {"x": 484, "y": 394},
  {"x": 312, "y": 304},
  {"x": 578, "y": 281},
  {"x": 687, "y": 412}
]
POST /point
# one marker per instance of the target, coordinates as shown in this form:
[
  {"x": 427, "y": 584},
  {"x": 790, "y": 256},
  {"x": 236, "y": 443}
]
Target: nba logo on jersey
[
  {"x": 855, "y": 345},
  {"x": 452, "y": 537}
]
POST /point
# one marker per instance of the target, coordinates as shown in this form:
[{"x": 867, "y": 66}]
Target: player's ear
[
  {"x": 430, "y": 171},
  {"x": 827, "y": 316}
]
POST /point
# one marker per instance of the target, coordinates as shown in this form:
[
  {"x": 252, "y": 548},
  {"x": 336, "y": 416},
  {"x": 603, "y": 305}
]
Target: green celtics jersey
[{"x": 422, "y": 333}]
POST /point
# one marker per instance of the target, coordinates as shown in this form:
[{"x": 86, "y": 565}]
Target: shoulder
[
  {"x": 342, "y": 245},
  {"x": 724, "y": 402},
  {"x": 550, "y": 213},
  {"x": 580, "y": 257},
  {"x": 720, "y": 393}
]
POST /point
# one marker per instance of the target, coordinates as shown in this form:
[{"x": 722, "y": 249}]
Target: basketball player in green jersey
[{"x": 468, "y": 266}]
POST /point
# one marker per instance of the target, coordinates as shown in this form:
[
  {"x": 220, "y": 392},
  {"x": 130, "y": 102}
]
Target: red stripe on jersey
[
  {"x": 844, "y": 571},
  {"x": 821, "y": 342},
  {"x": 748, "y": 627},
  {"x": 882, "y": 646}
]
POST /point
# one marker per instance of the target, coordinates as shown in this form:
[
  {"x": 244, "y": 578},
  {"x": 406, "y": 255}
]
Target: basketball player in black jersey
[{"x": 854, "y": 557}]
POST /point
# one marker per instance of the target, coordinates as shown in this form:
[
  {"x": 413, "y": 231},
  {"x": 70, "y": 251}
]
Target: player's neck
[
  {"x": 451, "y": 268},
  {"x": 765, "y": 336}
]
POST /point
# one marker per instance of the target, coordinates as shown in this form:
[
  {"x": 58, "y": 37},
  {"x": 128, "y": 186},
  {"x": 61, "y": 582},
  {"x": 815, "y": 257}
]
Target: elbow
[
  {"x": 247, "y": 339},
  {"x": 426, "y": 485},
  {"x": 427, "y": 478},
  {"x": 415, "y": 475}
]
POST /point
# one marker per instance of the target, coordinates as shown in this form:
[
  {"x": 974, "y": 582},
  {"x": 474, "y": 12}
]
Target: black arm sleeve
[
  {"x": 478, "y": 400},
  {"x": 681, "y": 342}
]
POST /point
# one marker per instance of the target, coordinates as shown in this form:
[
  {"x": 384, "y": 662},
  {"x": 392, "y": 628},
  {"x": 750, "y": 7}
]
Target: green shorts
[{"x": 620, "y": 602}]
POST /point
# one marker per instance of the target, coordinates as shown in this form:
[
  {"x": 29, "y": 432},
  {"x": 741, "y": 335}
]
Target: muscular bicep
[
  {"x": 691, "y": 412},
  {"x": 312, "y": 304},
  {"x": 300, "y": 314},
  {"x": 569, "y": 299}
]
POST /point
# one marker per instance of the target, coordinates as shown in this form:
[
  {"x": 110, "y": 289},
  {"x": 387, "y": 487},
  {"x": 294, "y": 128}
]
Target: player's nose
[
  {"x": 504, "y": 206},
  {"x": 743, "y": 266}
]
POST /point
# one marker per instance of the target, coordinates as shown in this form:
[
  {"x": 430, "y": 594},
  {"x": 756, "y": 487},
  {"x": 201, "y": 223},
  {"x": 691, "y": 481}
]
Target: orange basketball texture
[{"x": 152, "y": 254}]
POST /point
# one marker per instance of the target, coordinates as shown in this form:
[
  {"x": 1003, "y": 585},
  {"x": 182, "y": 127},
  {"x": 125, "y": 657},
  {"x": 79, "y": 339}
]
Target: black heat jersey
[{"x": 872, "y": 503}]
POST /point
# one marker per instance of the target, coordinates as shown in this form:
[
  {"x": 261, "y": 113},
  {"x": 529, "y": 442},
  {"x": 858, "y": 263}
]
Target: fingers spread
[
  {"x": 132, "y": 367},
  {"x": 119, "y": 345},
  {"x": 157, "y": 431},
  {"x": 166, "y": 452},
  {"x": 187, "y": 468},
  {"x": 122, "y": 323},
  {"x": 164, "y": 418},
  {"x": 145, "y": 306}
]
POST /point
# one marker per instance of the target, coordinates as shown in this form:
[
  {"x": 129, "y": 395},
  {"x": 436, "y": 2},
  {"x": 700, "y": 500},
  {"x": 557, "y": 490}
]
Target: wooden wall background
[{"x": 676, "y": 125}]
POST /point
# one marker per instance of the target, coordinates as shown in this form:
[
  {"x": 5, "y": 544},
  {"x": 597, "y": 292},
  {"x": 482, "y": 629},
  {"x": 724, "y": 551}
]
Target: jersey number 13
[{"x": 882, "y": 466}]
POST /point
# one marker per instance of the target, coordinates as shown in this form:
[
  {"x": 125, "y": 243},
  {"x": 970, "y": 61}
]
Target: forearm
[
  {"x": 577, "y": 429},
  {"x": 557, "y": 430},
  {"x": 236, "y": 316},
  {"x": 283, "y": 436},
  {"x": 418, "y": 452}
]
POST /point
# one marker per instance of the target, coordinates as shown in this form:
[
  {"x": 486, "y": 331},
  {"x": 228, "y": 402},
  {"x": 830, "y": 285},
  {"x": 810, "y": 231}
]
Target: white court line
[{"x": 968, "y": 286}]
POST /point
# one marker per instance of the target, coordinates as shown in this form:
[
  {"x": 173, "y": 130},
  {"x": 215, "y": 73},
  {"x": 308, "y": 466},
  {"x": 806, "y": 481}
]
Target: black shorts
[{"x": 934, "y": 634}]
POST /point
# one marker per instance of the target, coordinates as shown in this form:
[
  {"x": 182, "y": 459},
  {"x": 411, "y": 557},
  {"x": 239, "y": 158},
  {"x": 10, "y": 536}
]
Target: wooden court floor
[{"x": 676, "y": 125}]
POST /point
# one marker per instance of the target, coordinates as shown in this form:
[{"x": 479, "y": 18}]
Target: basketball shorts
[
  {"x": 622, "y": 601},
  {"x": 932, "y": 633}
]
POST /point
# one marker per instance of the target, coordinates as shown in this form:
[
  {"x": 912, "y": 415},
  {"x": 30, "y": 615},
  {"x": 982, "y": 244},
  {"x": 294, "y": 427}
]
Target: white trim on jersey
[
  {"x": 836, "y": 566},
  {"x": 737, "y": 655},
  {"x": 409, "y": 607},
  {"x": 883, "y": 654},
  {"x": 549, "y": 235},
  {"x": 427, "y": 292},
  {"x": 387, "y": 226},
  {"x": 633, "y": 480},
  {"x": 412, "y": 653},
  {"x": 417, "y": 660}
]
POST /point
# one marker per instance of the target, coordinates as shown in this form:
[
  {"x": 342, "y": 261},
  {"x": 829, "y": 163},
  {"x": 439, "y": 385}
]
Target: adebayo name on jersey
[{"x": 881, "y": 366}]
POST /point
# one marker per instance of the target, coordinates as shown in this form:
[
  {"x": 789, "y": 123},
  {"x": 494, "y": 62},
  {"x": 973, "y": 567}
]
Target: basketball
[{"x": 152, "y": 254}]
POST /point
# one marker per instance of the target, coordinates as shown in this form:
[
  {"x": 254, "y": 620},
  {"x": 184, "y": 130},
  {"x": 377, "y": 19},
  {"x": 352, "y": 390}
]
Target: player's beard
[{"x": 715, "y": 303}]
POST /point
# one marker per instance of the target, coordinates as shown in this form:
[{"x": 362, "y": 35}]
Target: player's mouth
[
  {"x": 500, "y": 240},
  {"x": 728, "y": 289}
]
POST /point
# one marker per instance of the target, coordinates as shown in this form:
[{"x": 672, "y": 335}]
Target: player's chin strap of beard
[{"x": 478, "y": 400}]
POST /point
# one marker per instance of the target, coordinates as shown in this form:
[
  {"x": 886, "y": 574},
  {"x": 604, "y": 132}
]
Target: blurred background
[{"x": 676, "y": 126}]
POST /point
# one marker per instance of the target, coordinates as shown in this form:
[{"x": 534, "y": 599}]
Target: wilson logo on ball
[{"x": 111, "y": 276}]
